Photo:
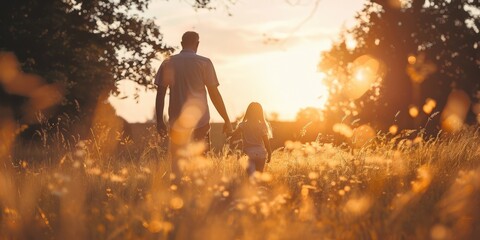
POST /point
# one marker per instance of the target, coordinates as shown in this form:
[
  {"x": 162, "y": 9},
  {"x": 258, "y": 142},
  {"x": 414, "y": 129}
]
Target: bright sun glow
[{"x": 286, "y": 82}]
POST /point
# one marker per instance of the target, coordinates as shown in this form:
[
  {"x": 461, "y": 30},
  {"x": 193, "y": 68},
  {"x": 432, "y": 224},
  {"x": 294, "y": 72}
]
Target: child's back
[
  {"x": 252, "y": 134},
  {"x": 256, "y": 145}
]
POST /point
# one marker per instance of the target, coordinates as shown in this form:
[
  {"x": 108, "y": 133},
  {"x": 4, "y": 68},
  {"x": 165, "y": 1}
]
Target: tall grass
[{"x": 391, "y": 188}]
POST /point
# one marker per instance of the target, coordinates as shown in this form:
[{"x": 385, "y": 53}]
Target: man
[{"x": 188, "y": 76}]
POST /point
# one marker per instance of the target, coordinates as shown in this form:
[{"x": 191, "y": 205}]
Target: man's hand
[
  {"x": 227, "y": 129},
  {"x": 162, "y": 129}
]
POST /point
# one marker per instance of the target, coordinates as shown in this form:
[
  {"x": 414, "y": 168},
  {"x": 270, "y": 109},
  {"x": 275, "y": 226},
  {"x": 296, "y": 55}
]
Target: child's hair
[{"x": 255, "y": 113}]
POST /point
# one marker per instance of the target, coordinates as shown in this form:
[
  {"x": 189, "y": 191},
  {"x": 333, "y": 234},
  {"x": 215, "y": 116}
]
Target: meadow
[{"x": 402, "y": 186}]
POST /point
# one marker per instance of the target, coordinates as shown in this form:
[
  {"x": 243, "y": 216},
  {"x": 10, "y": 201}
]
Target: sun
[{"x": 294, "y": 85}]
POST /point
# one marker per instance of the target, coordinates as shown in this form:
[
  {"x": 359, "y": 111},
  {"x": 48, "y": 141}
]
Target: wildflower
[
  {"x": 157, "y": 226},
  {"x": 77, "y": 164},
  {"x": 109, "y": 217},
  {"x": 289, "y": 145},
  {"x": 81, "y": 144},
  {"x": 243, "y": 162},
  {"x": 24, "y": 164},
  {"x": 439, "y": 232},
  {"x": 199, "y": 182},
  {"x": 176, "y": 203},
  {"x": 224, "y": 179},
  {"x": 313, "y": 175},
  {"x": 140, "y": 176},
  {"x": 252, "y": 210},
  {"x": 264, "y": 209},
  {"x": 88, "y": 162},
  {"x": 358, "y": 206},
  {"x": 240, "y": 206},
  {"x": 417, "y": 140},
  {"x": 413, "y": 111},
  {"x": 266, "y": 177},
  {"x": 62, "y": 177},
  {"x": 145, "y": 170},
  {"x": 424, "y": 179},
  {"x": 101, "y": 228},
  {"x": 333, "y": 163},
  {"x": 343, "y": 129},
  {"x": 60, "y": 192},
  {"x": 305, "y": 190},
  {"x": 309, "y": 150},
  {"x": 362, "y": 135},
  {"x": 80, "y": 153},
  {"x": 393, "y": 129},
  {"x": 108, "y": 192},
  {"x": 116, "y": 178}
]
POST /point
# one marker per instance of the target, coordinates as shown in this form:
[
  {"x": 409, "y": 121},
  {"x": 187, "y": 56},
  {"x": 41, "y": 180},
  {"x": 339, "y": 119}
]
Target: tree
[
  {"x": 81, "y": 46},
  {"x": 415, "y": 52}
]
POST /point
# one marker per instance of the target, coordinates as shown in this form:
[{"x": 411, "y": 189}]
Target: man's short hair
[{"x": 190, "y": 37}]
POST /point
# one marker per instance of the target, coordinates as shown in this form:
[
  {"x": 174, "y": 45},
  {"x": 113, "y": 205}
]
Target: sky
[{"x": 265, "y": 51}]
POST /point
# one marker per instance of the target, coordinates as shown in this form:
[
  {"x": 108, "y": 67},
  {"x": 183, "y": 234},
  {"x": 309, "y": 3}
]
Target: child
[{"x": 255, "y": 133}]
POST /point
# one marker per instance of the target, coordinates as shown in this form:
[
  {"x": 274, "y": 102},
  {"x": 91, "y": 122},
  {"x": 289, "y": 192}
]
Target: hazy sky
[{"x": 267, "y": 51}]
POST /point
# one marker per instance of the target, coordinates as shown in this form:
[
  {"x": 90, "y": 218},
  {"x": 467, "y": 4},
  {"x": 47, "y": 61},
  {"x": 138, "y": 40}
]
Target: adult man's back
[
  {"x": 191, "y": 73},
  {"x": 186, "y": 75}
]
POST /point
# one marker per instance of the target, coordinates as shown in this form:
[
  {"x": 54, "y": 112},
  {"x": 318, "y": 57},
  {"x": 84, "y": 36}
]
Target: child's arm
[{"x": 266, "y": 142}]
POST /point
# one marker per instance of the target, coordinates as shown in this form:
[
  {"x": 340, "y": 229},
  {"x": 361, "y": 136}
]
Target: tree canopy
[
  {"x": 403, "y": 58},
  {"x": 83, "y": 47}
]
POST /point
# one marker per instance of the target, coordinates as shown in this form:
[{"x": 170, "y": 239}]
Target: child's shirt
[{"x": 252, "y": 134}]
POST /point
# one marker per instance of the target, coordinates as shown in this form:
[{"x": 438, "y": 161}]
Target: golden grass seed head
[
  {"x": 313, "y": 175},
  {"x": 440, "y": 232},
  {"x": 176, "y": 203},
  {"x": 156, "y": 226},
  {"x": 358, "y": 205}
]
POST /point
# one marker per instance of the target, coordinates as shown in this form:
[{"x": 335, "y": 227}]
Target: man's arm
[
  {"x": 159, "y": 106},
  {"x": 217, "y": 101}
]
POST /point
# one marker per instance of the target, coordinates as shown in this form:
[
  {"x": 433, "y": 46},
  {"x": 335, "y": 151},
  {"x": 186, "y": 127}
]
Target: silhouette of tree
[
  {"x": 83, "y": 46},
  {"x": 424, "y": 49}
]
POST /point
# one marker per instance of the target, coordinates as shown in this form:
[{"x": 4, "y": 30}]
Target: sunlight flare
[
  {"x": 365, "y": 72},
  {"x": 455, "y": 111}
]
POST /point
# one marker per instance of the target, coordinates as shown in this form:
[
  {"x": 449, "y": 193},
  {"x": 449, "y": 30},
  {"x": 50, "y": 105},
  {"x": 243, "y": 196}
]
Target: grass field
[{"x": 391, "y": 188}]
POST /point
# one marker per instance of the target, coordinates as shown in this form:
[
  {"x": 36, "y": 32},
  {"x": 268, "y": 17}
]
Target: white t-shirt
[
  {"x": 186, "y": 75},
  {"x": 252, "y": 134}
]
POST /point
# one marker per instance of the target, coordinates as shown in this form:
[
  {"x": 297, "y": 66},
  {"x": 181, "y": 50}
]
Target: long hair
[{"x": 255, "y": 114}]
